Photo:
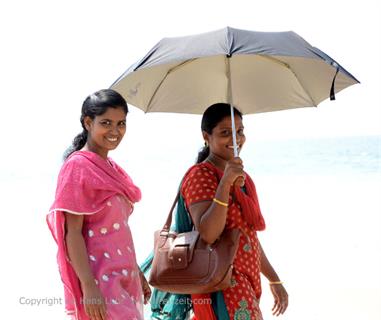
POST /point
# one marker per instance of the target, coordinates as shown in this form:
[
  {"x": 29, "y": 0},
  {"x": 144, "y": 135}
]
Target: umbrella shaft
[
  {"x": 234, "y": 133},
  {"x": 230, "y": 99}
]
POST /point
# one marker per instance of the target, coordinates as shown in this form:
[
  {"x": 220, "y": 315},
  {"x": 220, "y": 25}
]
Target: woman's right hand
[
  {"x": 233, "y": 173},
  {"x": 94, "y": 303}
]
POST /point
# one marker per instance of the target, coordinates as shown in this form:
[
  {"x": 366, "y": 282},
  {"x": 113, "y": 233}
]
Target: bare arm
[
  {"x": 277, "y": 289},
  {"x": 77, "y": 249},
  {"x": 266, "y": 268},
  {"x": 209, "y": 217}
]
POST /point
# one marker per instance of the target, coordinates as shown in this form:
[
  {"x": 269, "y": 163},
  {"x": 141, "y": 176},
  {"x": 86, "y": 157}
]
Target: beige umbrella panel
[
  {"x": 259, "y": 84},
  {"x": 254, "y": 71}
]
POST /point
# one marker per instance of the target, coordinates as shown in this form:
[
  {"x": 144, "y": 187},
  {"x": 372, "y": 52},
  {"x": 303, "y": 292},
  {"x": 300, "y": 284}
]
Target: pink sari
[{"x": 101, "y": 191}]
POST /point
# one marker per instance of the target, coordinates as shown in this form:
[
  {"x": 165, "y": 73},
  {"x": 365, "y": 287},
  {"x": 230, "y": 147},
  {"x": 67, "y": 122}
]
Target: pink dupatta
[{"x": 85, "y": 183}]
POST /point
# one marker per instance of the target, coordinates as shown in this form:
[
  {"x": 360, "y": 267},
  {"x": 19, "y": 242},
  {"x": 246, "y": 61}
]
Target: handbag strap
[{"x": 168, "y": 222}]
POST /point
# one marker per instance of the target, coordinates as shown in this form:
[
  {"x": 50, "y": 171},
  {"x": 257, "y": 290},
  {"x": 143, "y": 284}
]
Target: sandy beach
[{"x": 322, "y": 235}]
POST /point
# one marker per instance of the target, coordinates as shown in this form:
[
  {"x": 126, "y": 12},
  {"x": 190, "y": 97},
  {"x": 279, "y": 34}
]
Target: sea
[{"x": 321, "y": 199}]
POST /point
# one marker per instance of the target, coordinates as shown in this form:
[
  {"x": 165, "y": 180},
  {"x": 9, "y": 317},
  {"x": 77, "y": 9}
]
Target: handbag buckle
[{"x": 179, "y": 256}]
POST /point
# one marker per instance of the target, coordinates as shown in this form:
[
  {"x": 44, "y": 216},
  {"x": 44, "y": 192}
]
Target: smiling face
[
  {"x": 105, "y": 131},
  {"x": 221, "y": 140}
]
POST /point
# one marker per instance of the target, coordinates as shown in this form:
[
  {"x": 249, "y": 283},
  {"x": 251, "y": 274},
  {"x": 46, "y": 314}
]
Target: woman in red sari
[{"x": 219, "y": 194}]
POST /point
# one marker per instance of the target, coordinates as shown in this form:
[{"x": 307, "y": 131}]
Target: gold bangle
[
  {"x": 275, "y": 282},
  {"x": 220, "y": 202}
]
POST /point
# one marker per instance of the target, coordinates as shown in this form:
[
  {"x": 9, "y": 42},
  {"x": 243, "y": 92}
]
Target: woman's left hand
[
  {"x": 145, "y": 288},
  {"x": 280, "y": 299}
]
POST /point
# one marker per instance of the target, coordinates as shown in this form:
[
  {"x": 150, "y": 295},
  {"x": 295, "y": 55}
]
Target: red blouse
[{"x": 242, "y": 298}]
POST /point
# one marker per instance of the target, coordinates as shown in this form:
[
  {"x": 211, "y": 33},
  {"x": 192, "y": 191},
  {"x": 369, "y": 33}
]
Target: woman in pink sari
[{"x": 89, "y": 219}]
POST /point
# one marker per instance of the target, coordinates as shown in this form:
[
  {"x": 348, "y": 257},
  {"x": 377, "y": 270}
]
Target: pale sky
[{"x": 55, "y": 53}]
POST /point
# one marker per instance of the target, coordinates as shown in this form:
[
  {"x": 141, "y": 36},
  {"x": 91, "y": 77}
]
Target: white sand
[{"x": 322, "y": 237}]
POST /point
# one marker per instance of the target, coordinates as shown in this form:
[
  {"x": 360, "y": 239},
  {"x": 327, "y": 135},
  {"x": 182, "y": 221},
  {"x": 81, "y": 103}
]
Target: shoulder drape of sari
[{"x": 247, "y": 197}]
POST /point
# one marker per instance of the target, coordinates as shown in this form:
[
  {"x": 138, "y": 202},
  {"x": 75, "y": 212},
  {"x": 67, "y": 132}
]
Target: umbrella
[{"x": 254, "y": 71}]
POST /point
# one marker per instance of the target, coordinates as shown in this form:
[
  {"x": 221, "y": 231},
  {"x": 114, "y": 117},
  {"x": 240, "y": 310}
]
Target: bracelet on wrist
[
  {"x": 275, "y": 282},
  {"x": 220, "y": 202}
]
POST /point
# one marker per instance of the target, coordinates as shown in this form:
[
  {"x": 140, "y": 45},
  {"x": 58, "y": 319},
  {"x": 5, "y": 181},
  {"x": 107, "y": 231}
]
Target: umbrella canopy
[{"x": 254, "y": 71}]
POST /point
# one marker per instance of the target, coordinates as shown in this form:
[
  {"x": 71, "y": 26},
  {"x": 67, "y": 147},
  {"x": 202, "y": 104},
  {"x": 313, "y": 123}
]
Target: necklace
[{"x": 211, "y": 162}]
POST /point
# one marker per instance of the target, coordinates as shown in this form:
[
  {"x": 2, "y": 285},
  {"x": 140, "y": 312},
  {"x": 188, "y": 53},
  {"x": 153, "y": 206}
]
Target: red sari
[{"x": 242, "y": 297}]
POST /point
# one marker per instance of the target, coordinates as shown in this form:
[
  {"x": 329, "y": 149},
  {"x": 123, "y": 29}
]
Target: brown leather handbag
[{"x": 184, "y": 263}]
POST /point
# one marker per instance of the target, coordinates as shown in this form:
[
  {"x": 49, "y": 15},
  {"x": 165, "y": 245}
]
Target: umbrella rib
[
  {"x": 165, "y": 77},
  {"x": 286, "y": 65}
]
